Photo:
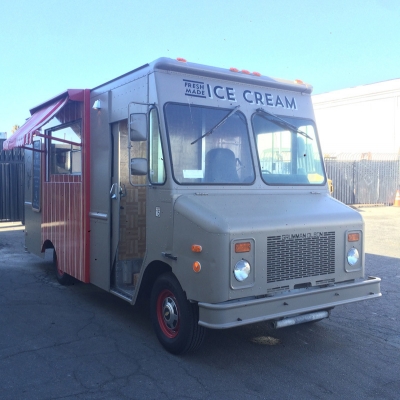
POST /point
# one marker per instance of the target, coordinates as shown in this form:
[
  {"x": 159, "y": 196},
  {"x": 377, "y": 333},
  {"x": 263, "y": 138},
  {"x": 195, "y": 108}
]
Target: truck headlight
[
  {"x": 353, "y": 256},
  {"x": 241, "y": 270}
]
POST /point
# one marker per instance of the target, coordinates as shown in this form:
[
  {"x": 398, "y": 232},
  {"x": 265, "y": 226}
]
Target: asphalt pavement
[{"x": 79, "y": 342}]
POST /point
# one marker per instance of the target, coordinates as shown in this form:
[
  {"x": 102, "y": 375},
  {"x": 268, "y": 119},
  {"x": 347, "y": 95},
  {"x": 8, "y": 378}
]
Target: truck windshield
[
  {"x": 288, "y": 153},
  {"x": 222, "y": 157}
]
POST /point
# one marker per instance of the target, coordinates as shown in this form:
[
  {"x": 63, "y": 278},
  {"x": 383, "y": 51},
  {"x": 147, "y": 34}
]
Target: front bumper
[{"x": 242, "y": 312}]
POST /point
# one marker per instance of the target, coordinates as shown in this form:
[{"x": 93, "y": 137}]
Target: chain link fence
[{"x": 364, "y": 178}]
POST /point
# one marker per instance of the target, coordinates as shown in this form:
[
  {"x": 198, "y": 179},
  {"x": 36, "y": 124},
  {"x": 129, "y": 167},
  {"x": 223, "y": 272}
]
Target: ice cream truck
[{"x": 199, "y": 189}]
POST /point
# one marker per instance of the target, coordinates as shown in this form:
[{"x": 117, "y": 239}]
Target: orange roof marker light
[
  {"x": 245, "y": 71},
  {"x": 181, "y": 59},
  {"x": 256, "y": 73},
  {"x": 233, "y": 69},
  {"x": 299, "y": 81}
]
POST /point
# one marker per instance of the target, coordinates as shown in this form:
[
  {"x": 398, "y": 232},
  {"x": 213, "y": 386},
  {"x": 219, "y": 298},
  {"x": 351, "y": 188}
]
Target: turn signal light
[
  {"x": 353, "y": 237},
  {"x": 196, "y": 267},
  {"x": 243, "y": 247},
  {"x": 196, "y": 248}
]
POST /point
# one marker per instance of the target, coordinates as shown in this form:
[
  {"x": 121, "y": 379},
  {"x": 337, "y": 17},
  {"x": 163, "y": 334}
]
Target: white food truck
[{"x": 198, "y": 188}]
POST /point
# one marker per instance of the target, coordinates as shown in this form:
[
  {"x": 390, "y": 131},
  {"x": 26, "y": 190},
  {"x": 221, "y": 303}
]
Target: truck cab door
[{"x": 128, "y": 212}]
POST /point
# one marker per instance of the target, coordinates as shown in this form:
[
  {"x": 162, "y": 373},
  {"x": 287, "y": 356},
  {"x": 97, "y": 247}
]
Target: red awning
[{"x": 24, "y": 135}]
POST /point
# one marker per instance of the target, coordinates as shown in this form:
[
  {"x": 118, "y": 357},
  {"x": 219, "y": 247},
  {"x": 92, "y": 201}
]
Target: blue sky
[{"x": 48, "y": 46}]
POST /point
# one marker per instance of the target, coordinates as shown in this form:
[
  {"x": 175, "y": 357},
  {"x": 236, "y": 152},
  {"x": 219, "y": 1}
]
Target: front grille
[
  {"x": 300, "y": 256},
  {"x": 277, "y": 289}
]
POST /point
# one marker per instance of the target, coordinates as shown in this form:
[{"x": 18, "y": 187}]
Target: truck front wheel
[{"x": 174, "y": 318}]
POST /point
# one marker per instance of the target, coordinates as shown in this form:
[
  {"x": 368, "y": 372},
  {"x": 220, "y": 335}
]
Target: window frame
[
  {"x": 149, "y": 147},
  {"x": 49, "y": 138}
]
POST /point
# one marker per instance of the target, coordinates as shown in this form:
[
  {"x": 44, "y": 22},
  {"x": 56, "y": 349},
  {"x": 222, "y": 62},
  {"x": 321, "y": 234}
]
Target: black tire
[
  {"x": 62, "y": 278},
  {"x": 174, "y": 318}
]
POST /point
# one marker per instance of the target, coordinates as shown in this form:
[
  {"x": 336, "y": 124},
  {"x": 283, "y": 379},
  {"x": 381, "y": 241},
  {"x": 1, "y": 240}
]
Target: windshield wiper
[
  {"x": 209, "y": 132},
  {"x": 281, "y": 122}
]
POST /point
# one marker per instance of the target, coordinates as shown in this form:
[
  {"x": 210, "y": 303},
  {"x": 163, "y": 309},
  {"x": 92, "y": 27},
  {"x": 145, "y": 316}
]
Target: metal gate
[
  {"x": 12, "y": 170},
  {"x": 373, "y": 180}
]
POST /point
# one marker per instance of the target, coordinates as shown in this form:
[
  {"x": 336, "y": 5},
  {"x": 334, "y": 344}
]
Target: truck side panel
[
  {"x": 57, "y": 220},
  {"x": 63, "y": 222},
  {"x": 33, "y": 219},
  {"x": 100, "y": 183}
]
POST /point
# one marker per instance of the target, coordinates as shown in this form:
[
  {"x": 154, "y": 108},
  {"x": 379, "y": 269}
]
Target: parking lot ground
[{"x": 79, "y": 342}]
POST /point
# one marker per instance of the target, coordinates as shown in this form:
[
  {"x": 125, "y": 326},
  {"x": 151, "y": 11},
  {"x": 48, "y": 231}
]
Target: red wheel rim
[
  {"x": 60, "y": 273},
  {"x": 168, "y": 313}
]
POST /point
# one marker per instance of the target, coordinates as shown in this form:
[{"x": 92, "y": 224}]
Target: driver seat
[{"x": 220, "y": 166}]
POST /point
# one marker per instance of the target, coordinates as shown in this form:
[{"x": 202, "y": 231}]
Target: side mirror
[
  {"x": 138, "y": 127},
  {"x": 139, "y": 166}
]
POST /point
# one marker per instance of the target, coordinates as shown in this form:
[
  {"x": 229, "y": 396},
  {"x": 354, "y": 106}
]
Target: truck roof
[
  {"x": 182, "y": 66},
  {"x": 232, "y": 74}
]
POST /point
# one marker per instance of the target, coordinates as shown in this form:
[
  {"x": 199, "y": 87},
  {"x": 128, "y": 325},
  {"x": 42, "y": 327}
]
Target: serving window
[{"x": 64, "y": 149}]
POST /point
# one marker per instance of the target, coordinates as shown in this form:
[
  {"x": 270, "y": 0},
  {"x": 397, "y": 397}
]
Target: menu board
[{"x": 36, "y": 175}]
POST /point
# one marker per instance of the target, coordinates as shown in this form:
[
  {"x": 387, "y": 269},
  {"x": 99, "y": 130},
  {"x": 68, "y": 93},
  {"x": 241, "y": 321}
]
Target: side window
[
  {"x": 65, "y": 156},
  {"x": 156, "y": 156}
]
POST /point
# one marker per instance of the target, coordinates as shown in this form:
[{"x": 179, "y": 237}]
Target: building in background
[
  {"x": 363, "y": 120},
  {"x": 359, "y": 130}
]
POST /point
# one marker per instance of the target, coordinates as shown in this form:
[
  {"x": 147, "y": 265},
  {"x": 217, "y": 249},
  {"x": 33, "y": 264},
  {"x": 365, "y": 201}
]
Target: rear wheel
[
  {"x": 62, "y": 278},
  {"x": 174, "y": 318}
]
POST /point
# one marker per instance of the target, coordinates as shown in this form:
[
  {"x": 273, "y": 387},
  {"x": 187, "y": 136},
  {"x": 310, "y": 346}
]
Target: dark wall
[{"x": 12, "y": 170}]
